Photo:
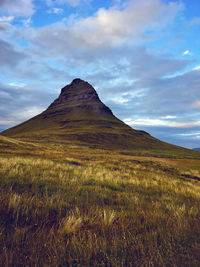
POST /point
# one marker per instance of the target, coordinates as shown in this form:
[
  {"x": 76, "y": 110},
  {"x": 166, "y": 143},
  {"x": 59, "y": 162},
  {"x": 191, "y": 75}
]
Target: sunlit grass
[{"x": 98, "y": 212}]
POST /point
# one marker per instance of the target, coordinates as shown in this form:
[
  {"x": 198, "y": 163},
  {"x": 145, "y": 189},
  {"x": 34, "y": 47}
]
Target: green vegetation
[{"x": 76, "y": 206}]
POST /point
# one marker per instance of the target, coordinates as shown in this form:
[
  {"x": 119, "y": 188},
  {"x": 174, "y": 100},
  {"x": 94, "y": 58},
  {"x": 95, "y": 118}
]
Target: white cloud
[
  {"x": 6, "y": 19},
  {"x": 197, "y": 68},
  {"x": 27, "y": 22},
  {"x": 17, "y": 7},
  {"x": 160, "y": 122},
  {"x": 17, "y": 84},
  {"x": 55, "y": 10},
  {"x": 19, "y": 116},
  {"x": 114, "y": 25},
  {"x": 7, "y": 122},
  {"x": 27, "y": 113},
  {"x": 107, "y": 28},
  {"x": 169, "y": 117},
  {"x": 187, "y": 53},
  {"x": 186, "y": 124},
  {"x": 120, "y": 100},
  {"x": 197, "y": 135},
  {"x": 147, "y": 122}
]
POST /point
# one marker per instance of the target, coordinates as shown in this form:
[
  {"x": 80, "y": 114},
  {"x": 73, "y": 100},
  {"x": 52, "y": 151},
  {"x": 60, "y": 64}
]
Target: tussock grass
[
  {"x": 98, "y": 212},
  {"x": 71, "y": 223}
]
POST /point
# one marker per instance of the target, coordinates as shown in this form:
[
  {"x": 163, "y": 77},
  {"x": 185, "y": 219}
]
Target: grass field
[{"x": 75, "y": 206}]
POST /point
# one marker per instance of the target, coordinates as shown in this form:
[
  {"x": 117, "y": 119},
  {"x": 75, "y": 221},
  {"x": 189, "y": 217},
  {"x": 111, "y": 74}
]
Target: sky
[{"x": 142, "y": 57}]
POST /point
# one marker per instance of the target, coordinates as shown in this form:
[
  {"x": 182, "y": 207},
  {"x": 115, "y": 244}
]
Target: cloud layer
[
  {"x": 107, "y": 27},
  {"x": 17, "y": 7}
]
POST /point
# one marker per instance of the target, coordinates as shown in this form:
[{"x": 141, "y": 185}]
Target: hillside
[
  {"x": 79, "y": 117},
  {"x": 76, "y": 206},
  {"x": 11, "y": 145}
]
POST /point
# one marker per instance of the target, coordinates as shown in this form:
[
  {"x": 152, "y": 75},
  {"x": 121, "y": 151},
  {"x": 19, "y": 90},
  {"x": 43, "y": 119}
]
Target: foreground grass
[{"x": 116, "y": 212}]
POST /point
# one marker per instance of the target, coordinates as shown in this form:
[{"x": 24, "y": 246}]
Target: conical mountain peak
[
  {"x": 80, "y": 99},
  {"x": 78, "y": 116},
  {"x": 79, "y": 90}
]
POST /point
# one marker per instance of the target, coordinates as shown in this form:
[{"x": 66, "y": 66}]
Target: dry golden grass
[
  {"x": 88, "y": 207},
  {"x": 71, "y": 223}
]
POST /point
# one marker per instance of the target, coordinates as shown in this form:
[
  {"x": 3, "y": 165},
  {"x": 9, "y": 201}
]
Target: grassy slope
[
  {"x": 76, "y": 206},
  {"x": 106, "y": 133},
  {"x": 9, "y": 145}
]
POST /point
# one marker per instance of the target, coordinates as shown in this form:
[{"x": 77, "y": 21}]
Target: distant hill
[
  {"x": 197, "y": 149},
  {"x": 78, "y": 116}
]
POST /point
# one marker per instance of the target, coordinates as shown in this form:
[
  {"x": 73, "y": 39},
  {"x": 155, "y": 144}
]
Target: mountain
[{"x": 78, "y": 116}]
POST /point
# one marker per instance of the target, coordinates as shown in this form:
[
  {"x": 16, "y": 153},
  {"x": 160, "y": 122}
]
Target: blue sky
[{"x": 142, "y": 57}]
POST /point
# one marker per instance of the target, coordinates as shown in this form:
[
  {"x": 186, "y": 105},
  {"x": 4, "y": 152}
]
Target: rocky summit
[
  {"x": 79, "y": 100},
  {"x": 79, "y": 117}
]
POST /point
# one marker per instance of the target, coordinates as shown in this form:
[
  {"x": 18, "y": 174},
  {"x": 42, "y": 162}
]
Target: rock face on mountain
[
  {"x": 79, "y": 117},
  {"x": 79, "y": 100}
]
